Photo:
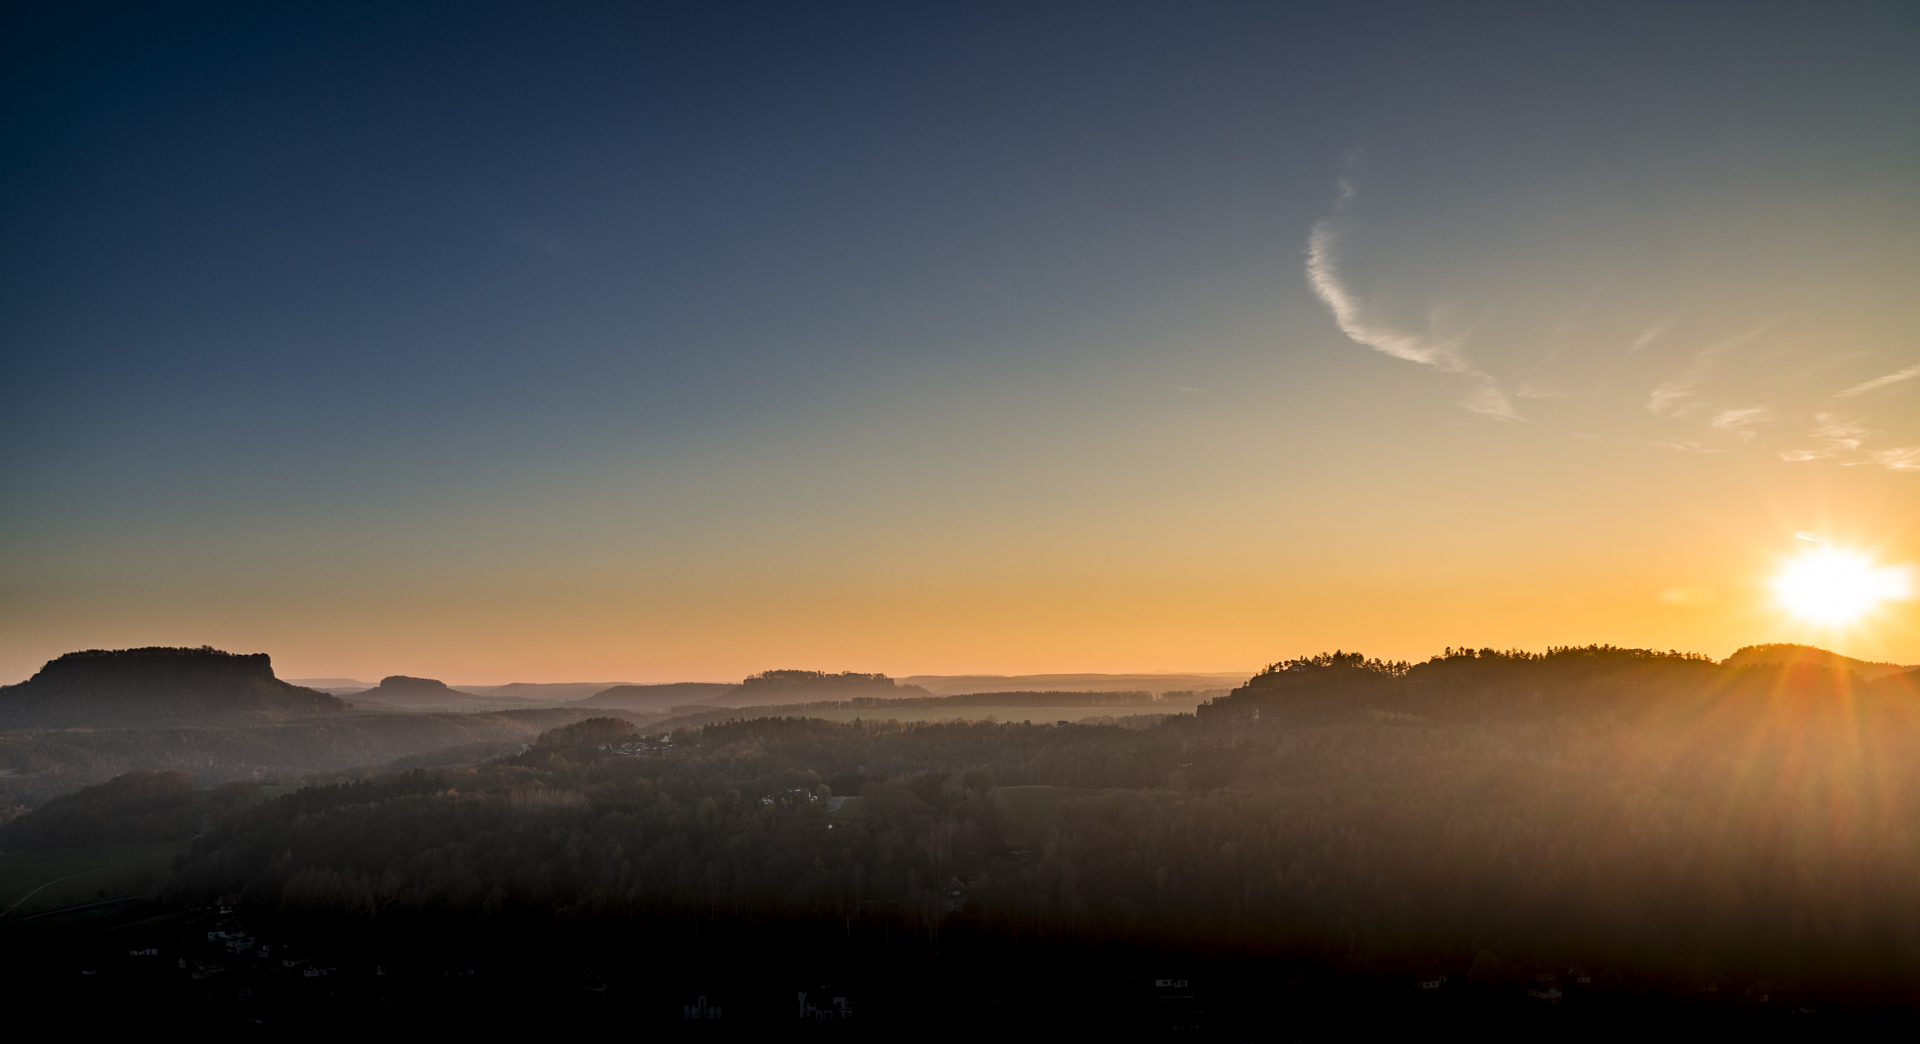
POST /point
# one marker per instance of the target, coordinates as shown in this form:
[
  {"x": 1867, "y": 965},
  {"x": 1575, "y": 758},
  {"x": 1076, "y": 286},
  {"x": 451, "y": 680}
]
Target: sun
[{"x": 1830, "y": 586}]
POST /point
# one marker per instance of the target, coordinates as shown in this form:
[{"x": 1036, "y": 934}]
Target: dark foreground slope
[
  {"x": 124, "y": 687},
  {"x": 1682, "y": 846},
  {"x": 1685, "y": 837}
]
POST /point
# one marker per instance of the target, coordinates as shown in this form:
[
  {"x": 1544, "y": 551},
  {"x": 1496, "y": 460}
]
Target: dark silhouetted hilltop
[
  {"x": 118, "y": 687},
  {"x": 333, "y": 685},
  {"x": 1470, "y": 684},
  {"x": 778, "y": 687},
  {"x": 542, "y": 692},
  {"x": 399, "y": 690},
  {"x": 1785, "y": 654},
  {"x": 972, "y": 684},
  {"x": 658, "y": 697}
]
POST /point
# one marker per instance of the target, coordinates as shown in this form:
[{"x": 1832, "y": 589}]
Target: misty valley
[
  {"x": 492, "y": 489},
  {"x": 1590, "y": 838}
]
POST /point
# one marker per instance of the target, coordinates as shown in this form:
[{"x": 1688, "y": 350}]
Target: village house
[
  {"x": 1545, "y": 987},
  {"x": 953, "y": 895}
]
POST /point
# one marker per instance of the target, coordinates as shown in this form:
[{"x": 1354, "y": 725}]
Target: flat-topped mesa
[
  {"x": 403, "y": 683},
  {"x": 100, "y": 670},
  {"x": 111, "y": 687},
  {"x": 400, "y": 690},
  {"x": 788, "y": 686}
]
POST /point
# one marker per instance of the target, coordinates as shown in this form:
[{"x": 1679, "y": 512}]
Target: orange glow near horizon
[{"x": 1834, "y": 587}]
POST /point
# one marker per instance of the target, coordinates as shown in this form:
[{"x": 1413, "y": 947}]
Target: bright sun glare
[{"x": 1829, "y": 586}]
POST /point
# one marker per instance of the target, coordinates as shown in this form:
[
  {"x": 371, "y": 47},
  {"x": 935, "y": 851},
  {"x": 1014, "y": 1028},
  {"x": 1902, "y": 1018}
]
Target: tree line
[{"x": 1623, "y": 809}]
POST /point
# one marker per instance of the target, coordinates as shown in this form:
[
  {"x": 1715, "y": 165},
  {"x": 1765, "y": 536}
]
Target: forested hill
[
  {"x": 1664, "y": 850},
  {"x": 658, "y": 697},
  {"x": 121, "y": 687},
  {"x": 398, "y": 690},
  {"x": 787, "y": 686},
  {"x": 1470, "y": 684},
  {"x": 1812, "y": 656}
]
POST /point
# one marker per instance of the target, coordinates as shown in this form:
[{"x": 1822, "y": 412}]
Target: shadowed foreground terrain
[{"x": 1595, "y": 838}]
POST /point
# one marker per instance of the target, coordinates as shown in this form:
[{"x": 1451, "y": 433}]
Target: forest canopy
[{"x": 1653, "y": 813}]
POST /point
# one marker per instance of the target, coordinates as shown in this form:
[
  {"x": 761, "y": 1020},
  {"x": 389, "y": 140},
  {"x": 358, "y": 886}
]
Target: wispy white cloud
[
  {"x": 1842, "y": 437},
  {"x": 1650, "y": 334},
  {"x": 1679, "y": 395},
  {"x": 1880, "y": 382},
  {"x": 1687, "y": 445},
  {"x": 1349, "y": 312},
  {"x": 1535, "y": 390},
  {"x": 1742, "y": 422},
  {"x": 1904, "y": 458},
  {"x": 1490, "y": 401},
  {"x": 1845, "y": 438}
]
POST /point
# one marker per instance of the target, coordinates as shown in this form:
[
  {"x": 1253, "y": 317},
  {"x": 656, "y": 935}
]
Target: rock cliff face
[{"x": 109, "y": 688}]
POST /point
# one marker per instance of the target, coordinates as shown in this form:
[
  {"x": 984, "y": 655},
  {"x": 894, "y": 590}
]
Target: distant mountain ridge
[
  {"x": 793, "y": 686},
  {"x": 113, "y": 687},
  {"x": 400, "y": 690},
  {"x": 1787, "y": 654},
  {"x": 1468, "y": 684},
  {"x": 333, "y": 685},
  {"x": 968, "y": 684},
  {"x": 542, "y": 692},
  {"x": 658, "y": 697}
]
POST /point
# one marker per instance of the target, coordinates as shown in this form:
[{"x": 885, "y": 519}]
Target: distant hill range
[
  {"x": 399, "y": 690},
  {"x": 1812, "y": 656},
  {"x": 333, "y": 685},
  {"x": 965, "y": 684},
  {"x": 787, "y": 686},
  {"x": 1470, "y": 685},
  {"x": 544, "y": 692},
  {"x": 766, "y": 689},
  {"x": 101, "y": 687},
  {"x": 521, "y": 693},
  {"x": 659, "y": 697}
]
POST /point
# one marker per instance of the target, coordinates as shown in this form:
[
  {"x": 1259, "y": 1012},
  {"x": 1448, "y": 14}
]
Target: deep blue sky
[{"x": 366, "y": 333}]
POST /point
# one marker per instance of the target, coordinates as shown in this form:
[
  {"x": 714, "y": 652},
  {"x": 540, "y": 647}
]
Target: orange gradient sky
[{"x": 955, "y": 345}]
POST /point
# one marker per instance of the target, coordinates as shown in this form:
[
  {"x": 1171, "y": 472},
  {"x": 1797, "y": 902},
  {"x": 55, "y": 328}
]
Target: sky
[{"x": 676, "y": 342}]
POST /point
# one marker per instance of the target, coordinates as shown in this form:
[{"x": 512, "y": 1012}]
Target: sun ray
[{"x": 1831, "y": 586}]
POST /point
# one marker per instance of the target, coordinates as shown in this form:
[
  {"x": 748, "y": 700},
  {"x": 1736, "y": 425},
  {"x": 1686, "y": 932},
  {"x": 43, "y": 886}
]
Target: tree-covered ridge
[
  {"x": 1788, "y": 654},
  {"x": 100, "y": 687},
  {"x": 1590, "y": 678},
  {"x": 1686, "y": 830},
  {"x": 981, "y": 699},
  {"x": 1626, "y": 809},
  {"x": 792, "y": 686}
]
